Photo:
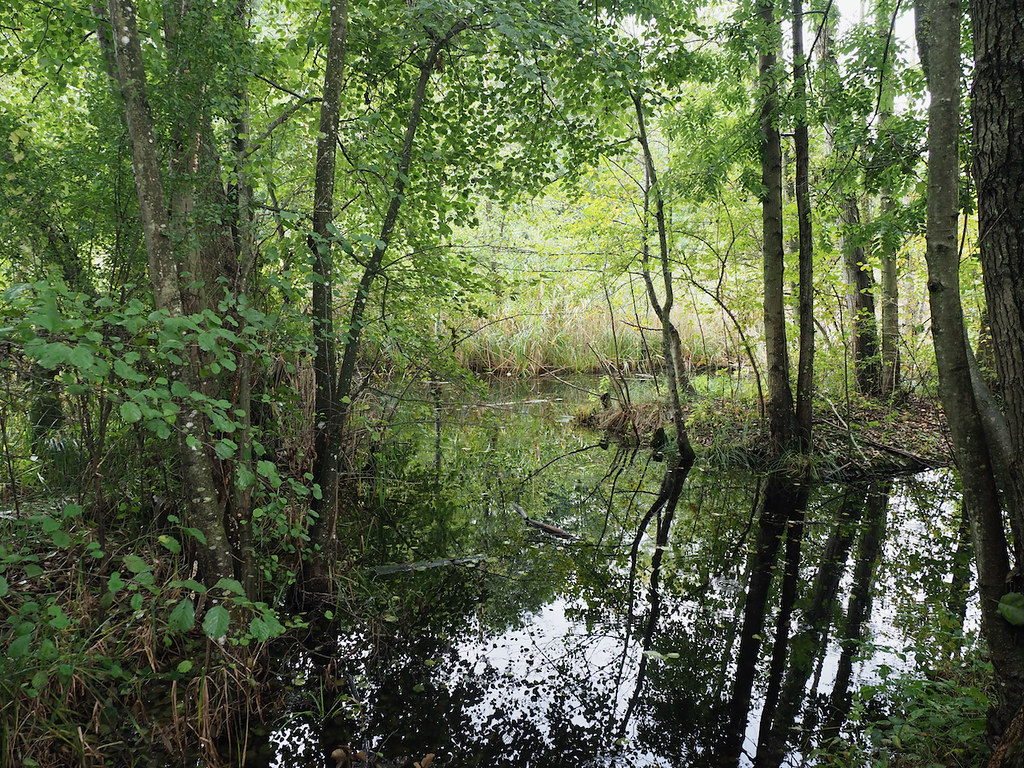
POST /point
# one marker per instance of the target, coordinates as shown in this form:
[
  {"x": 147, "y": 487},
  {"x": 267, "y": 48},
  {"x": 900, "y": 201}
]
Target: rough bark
[
  {"x": 781, "y": 415},
  {"x": 998, "y": 112},
  {"x": 860, "y": 297},
  {"x": 196, "y": 467},
  {"x": 329, "y": 427},
  {"x": 970, "y": 448},
  {"x": 805, "y": 365}
]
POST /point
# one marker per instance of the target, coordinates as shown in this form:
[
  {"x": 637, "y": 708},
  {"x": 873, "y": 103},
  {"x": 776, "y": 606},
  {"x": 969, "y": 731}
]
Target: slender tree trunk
[
  {"x": 196, "y": 467},
  {"x": 781, "y": 415},
  {"x": 329, "y": 412},
  {"x": 245, "y": 247},
  {"x": 970, "y": 448},
  {"x": 324, "y": 530},
  {"x": 890, "y": 309},
  {"x": 860, "y": 296},
  {"x": 805, "y": 366},
  {"x": 669, "y": 335},
  {"x": 887, "y": 253}
]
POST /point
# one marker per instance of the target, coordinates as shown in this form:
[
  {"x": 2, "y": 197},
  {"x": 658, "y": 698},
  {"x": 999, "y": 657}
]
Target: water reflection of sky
[{"x": 550, "y": 682}]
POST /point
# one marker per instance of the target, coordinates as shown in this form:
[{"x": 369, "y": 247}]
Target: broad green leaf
[
  {"x": 19, "y": 646},
  {"x": 265, "y": 627},
  {"x": 183, "y": 617},
  {"x": 191, "y": 584},
  {"x": 170, "y": 543},
  {"x": 1011, "y": 606},
  {"x": 216, "y": 622},
  {"x": 135, "y": 564},
  {"x": 130, "y": 412},
  {"x": 230, "y": 585}
]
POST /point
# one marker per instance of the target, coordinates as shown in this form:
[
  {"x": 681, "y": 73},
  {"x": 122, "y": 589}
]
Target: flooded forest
[{"x": 462, "y": 383}]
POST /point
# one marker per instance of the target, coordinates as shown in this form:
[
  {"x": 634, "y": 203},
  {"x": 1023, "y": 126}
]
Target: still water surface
[{"x": 701, "y": 618}]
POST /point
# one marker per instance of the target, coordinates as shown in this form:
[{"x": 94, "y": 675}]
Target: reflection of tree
[
  {"x": 781, "y": 500},
  {"x": 575, "y": 646},
  {"x": 858, "y": 610},
  {"x": 809, "y": 646},
  {"x": 664, "y": 508}
]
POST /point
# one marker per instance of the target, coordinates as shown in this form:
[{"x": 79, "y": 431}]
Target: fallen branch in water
[{"x": 545, "y": 527}]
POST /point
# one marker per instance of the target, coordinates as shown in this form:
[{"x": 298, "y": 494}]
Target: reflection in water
[{"x": 697, "y": 619}]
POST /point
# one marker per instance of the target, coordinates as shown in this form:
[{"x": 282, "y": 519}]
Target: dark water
[{"x": 696, "y": 618}]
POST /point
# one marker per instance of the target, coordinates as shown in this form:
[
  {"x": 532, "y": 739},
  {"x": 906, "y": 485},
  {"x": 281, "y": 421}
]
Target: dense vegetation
[{"x": 231, "y": 229}]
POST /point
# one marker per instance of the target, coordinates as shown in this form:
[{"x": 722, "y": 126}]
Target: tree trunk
[
  {"x": 970, "y": 448},
  {"x": 323, "y": 533},
  {"x": 998, "y": 112},
  {"x": 860, "y": 297},
  {"x": 669, "y": 335},
  {"x": 328, "y": 420},
  {"x": 805, "y": 366},
  {"x": 196, "y": 467},
  {"x": 781, "y": 415},
  {"x": 890, "y": 310}
]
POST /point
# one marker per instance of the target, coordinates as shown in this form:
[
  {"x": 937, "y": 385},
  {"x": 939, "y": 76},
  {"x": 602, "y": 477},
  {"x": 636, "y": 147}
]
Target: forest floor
[{"x": 852, "y": 439}]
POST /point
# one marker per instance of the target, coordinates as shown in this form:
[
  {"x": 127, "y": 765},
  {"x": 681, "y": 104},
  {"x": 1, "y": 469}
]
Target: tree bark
[
  {"x": 781, "y": 415},
  {"x": 860, "y": 296},
  {"x": 998, "y": 112},
  {"x": 329, "y": 421},
  {"x": 323, "y": 532},
  {"x": 663, "y": 309},
  {"x": 805, "y": 365},
  {"x": 889, "y": 292},
  {"x": 970, "y": 448},
  {"x": 196, "y": 467}
]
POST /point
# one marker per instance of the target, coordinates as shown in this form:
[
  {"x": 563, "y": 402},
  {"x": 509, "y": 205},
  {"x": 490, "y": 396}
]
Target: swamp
[{"x": 464, "y": 383}]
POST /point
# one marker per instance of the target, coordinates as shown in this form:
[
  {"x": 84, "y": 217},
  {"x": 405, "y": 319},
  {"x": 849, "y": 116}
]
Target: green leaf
[
  {"x": 1011, "y": 606},
  {"x": 230, "y": 585},
  {"x": 184, "y": 666},
  {"x": 58, "y": 619},
  {"x": 265, "y": 627},
  {"x": 40, "y": 679},
  {"x": 216, "y": 622},
  {"x": 115, "y": 583},
  {"x": 170, "y": 543},
  {"x": 225, "y": 448},
  {"x": 19, "y": 646},
  {"x": 183, "y": 617},
  {"x": 135, "y": 564},
  {"x": 191, "y": 584},
  {"x": 3, "y": 587},
  {"x": 130, "y": 412}
]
